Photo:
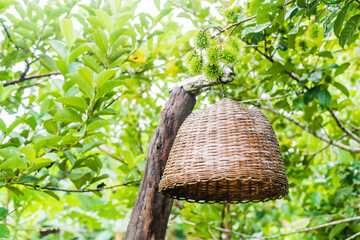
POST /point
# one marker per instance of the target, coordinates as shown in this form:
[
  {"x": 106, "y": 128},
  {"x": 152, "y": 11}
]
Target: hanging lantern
[{"x": 227, "y": 154}]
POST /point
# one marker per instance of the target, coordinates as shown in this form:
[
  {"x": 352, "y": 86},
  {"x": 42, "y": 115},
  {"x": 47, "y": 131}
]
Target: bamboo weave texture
[{"x": 226, "y": 154}]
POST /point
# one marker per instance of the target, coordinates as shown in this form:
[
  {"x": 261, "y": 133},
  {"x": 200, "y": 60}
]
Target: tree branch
[
  {"x": 315, "y": 134},
  {"x": 298, "y": 231},
  {"x": 183, "y": 7},
  {"x": 24, "y": 78},
  {"x": 353, "y": 236},
  {"x": 36, "y": 187},
  {"x": 345, "y": 129},
  {"x": 11, "y": 212},
  {"x": 235, "y": 25},
  {"x": 306, "y": 128}
]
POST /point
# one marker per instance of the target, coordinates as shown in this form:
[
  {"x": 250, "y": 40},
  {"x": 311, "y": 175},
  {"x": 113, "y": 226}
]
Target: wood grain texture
[{"x": 151, "y": 210}]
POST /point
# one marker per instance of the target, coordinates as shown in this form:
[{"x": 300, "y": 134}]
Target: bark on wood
[
  {"x": 195, "y": 84},
  {"x": 151, "y": 210}
]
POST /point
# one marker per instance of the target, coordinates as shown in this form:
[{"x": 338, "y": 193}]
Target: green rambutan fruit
[
  {"x": 234, "y": 43},
  {"x": 202, "y": 40},
  {"x": 316, "y": 32},
  {"x": 213, "y": 55},
  {"x": 229, "y": 55},
  {"x": 189, "y": 56},
  {"x": 196, "y": 65},
  {"x": 212, "y": 71},
  {"x": 303, "y": 44}
]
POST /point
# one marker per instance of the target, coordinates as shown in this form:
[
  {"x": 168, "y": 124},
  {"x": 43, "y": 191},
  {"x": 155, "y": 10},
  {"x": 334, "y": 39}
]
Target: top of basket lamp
[{"x": 226, "y": 154}]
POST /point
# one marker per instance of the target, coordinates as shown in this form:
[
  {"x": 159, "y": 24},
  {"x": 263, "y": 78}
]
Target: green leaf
[
  {"x": 59, "y": 48},
  {"x": 75, "y": 102},
  {"x": 58, "y": 12},
  {"x": 6, "y": 91},
  {"x": 67, "y": 31},
  {"x": 29, "y": 25},
  {"x": 315, "y": 199},
  {"x": 311, "y": 94},
  {"x": 105, "y": 76},
  {"x": 97, "y": 124},
  {"x": 13, "y": 162},
  {"x": 116, "y": 34},
  {"x": 9, "y": 152},
  {"x": 301, "y": 3},
  {"x": 155, "y": 33},
  {"x": 78, "y": 51},
  {"x": 342, "y": 69},
  {"x": 340, "y": 19},
  {"x": 28, "y": 179},
  {"x": 75, "y": 77},
  {"x": 342, "y": 88},
  {"x": 88, "y": 75},
  {"x": 101, "y": 41},
  {"x": 157, "y": 4},
  {"x": 15, "y": 124},
  {"x": 255, "y": 4},
  {"x": 67, "y": 115},
  {"x": 162, "y": 14},
  {"x": 105, "y": 19},
  {"x": 40, "y": 163},
  {"x": 47, "y": 62},
  {"x": 52, "y": 194},
  {"x": 349, "y": 30},
  {"x": 3, "y": 212},
  {"x": 255, "y": 29},
  {"x": 315, "y": 76},
  {"x": 335, "y": 231},
  {"x": 51, "y": 126},
  {"x": 2, "y": 126},
  {"x": 29, "y": 152},
  {"x": 4, "y": 231},
  {"x": 91, "y": 62},
  {"x": 262, "y": 15},
  {"x": 80, "y": 177},
  {"x": 324, "y": 98},
  {"x": 107, "y": 87}
]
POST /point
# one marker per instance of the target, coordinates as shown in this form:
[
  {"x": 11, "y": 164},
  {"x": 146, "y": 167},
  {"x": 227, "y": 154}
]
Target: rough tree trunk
[{"x": 151, "y": 210}]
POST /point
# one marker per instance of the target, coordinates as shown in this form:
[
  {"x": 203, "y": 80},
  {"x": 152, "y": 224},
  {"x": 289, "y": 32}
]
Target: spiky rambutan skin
[
  {"x": 212, "y": 71},
  {"x": 234, "y": 43},
  {"x": 196, "y": 65},
  {"x": 316, "y": 32},
  {"x": 304, "y": 45},
  {"x": 213, "y": 55},
  {"x": 189, "y": 56},
  {"x": 229, "y": 55},
  {"x": 202, "y": 40}
]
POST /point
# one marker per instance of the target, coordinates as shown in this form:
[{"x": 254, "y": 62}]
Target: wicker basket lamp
[{"x": 226, "y": 154}]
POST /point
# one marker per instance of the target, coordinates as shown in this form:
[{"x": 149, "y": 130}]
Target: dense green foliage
[{"x": 83, "y": 85}]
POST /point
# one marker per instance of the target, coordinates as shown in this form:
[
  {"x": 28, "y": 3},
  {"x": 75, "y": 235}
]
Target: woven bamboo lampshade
[{"x": 227, "y": 154}]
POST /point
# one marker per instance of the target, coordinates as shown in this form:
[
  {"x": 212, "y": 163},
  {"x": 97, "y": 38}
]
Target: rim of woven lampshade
[{"x": 225, "y": 154}]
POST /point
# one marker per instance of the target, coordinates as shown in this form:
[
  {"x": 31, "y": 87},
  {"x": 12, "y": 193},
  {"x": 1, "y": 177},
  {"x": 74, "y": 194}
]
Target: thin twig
[
  {"x": 345, "y": 129},
  {"x": 315, "y": 134},
  {"x": 306, "y": 128},
  {"x": 353, "y": 236},
  {"x": 11, "y": 212},
  {"x": 264, "y": 99},
  {"x": 298, "y": 231},
  {"x": 22, "y": 79},
  {"x": 235, "y": 25},
  {"x": 183, "y": 7},
  {"x": 36, "y": 187}
]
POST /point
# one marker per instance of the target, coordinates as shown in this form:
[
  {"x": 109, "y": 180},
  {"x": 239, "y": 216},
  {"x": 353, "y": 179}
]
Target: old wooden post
[{"x": 151, "y": 211}]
